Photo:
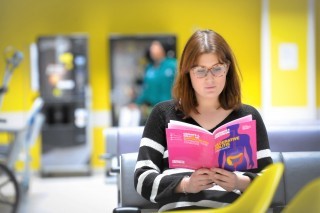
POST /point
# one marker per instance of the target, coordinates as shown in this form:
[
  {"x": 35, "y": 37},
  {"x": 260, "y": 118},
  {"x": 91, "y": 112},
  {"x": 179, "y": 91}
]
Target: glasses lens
[
  {"x": 218, "y": 70},
  {"x": 200, "y": 72}
]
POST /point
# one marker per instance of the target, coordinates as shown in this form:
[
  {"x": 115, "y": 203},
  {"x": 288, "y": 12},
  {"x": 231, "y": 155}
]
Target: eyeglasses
[{"x": 217, "y": 70}]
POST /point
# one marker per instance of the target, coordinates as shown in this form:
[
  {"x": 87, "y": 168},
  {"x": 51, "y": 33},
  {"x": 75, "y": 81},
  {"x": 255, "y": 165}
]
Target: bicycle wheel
[{"x": 9, "y": 191}]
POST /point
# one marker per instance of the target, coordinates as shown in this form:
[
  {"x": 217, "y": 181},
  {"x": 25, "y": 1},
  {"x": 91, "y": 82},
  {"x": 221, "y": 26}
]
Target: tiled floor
[{"x": 94, "y": 193}]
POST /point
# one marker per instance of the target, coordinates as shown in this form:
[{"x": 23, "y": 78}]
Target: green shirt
[{"x": 157, "y": 82}]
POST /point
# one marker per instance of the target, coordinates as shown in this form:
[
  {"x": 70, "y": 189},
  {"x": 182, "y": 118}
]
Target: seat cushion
[{"x": 299, "y": 172}]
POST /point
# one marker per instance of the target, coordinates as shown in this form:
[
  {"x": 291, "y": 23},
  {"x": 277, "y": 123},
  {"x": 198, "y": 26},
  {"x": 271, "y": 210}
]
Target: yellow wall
[
  {"x": 317, "y": 11},
  {"x": 289, "y": 87},
  {"x": 22, "y": 21},
  {"x": 237, "y": 21}
]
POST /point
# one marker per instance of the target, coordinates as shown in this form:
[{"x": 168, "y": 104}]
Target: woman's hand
[
  {"x": 198, "y": 181},
  {"x": 229, "y": 180}
]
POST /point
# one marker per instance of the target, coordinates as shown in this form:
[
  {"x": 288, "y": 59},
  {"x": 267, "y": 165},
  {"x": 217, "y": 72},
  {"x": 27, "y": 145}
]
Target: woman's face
[
  {"x": 157, "y": 52},
  {"x": 211, "y": 85}
]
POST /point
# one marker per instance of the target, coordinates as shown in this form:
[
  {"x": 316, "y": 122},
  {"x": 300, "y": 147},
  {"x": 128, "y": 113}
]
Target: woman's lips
[{"x": 210, "y": 87}]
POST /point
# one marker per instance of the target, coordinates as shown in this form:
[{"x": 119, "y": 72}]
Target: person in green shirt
[{"x": 158, "y": 79}]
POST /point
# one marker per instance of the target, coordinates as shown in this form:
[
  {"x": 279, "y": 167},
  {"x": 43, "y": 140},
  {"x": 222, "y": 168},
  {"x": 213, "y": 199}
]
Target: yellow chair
[
  {"x": 256, "y": 198},
  {"x": 306, "y": 200}
]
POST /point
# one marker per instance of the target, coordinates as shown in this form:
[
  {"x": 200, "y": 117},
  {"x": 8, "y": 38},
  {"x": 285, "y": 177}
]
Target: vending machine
[{"x": 63, "y": 76}]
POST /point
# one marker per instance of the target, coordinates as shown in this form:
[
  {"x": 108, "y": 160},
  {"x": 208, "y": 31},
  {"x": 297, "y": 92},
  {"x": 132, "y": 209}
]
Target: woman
[{"x": 206, "y": 93}]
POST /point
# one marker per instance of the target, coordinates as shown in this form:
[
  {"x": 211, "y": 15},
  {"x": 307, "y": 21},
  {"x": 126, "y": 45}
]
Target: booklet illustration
[{"x": 231, "y": 146}]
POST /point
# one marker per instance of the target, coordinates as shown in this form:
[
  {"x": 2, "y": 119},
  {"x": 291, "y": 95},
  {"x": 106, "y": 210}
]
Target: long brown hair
[{"x": 206, "y": 41}]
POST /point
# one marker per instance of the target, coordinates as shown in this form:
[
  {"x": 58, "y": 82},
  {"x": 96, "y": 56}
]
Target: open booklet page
[{"x": 232, "y": 146}]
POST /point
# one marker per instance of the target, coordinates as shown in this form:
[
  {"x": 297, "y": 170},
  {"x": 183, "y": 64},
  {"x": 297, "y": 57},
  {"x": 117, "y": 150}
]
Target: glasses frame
[{"x": 211, "y": 70}]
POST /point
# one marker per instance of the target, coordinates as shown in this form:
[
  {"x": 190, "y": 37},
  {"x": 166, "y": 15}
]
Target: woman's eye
[
  {"x": 201, "y": 71},
  {"x": 217, "y": 69}
]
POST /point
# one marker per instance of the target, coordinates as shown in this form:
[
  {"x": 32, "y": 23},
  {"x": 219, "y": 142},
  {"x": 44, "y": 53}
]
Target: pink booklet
[{"x": 232, "y": 146}]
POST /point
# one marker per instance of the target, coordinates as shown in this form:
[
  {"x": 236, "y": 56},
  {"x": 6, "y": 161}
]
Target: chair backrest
[
  {"x": 306, "y": 200},
  {"x": 299, "y": 172},
  {"x": 294, "y": 138},
  {"x": 111, "y": 140},
  {"x": 128, "y": 195},
  {"x": 259, "y": 194},
  {"x": 120, "y": 140},
  {"x": 129, "y": 139}
]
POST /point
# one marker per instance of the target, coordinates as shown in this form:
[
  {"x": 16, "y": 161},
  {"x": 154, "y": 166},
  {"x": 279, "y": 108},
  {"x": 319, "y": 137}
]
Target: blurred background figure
[
  {"x": 157, "y": 81},
  {"x": 142, "y": 72}
]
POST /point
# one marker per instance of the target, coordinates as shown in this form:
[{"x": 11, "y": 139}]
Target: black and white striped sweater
[{"x": 155, "y": 181}]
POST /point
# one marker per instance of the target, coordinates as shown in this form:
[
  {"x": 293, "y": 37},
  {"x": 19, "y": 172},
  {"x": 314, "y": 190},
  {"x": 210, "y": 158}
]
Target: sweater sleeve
[
  {"x": 149, "y": 179},
  {"x": 263, "y": 148}
]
